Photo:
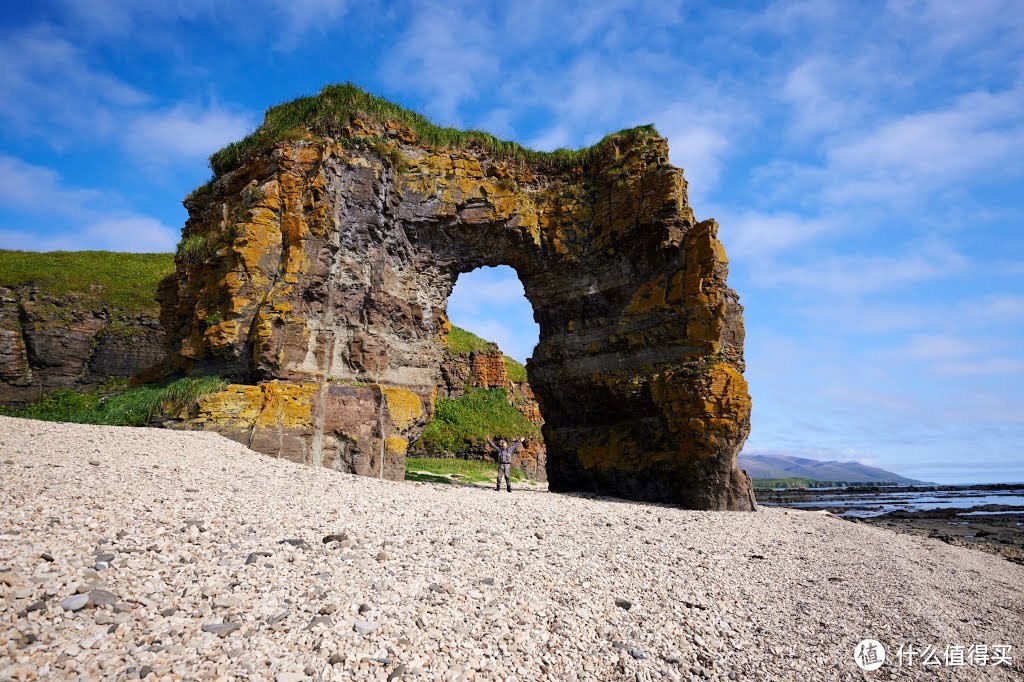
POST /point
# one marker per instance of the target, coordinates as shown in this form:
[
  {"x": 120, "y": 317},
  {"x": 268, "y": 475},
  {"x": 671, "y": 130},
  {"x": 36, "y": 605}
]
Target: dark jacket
[{"x": 505, "y": 454}]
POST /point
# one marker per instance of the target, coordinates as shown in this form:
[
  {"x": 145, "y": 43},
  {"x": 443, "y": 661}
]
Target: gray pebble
[
  {"x": 221, "y": 629},
  {"x": 75, "y": 602}
]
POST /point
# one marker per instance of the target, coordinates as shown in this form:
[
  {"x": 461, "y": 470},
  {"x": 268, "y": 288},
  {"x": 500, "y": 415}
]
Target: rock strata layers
[
  {"x": 318, "y": 272},
  {"x": 71, "y": 341}
]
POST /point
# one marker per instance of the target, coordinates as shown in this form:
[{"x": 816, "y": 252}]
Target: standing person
[{"x": 505, "y": 460}]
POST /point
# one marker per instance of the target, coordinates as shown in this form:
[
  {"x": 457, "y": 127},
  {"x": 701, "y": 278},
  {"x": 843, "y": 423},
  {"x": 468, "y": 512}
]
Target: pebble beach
[{"x": 162, "y": 555}]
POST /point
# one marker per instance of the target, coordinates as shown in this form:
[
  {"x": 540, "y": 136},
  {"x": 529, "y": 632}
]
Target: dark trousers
[{"x": 503, "y": 470}]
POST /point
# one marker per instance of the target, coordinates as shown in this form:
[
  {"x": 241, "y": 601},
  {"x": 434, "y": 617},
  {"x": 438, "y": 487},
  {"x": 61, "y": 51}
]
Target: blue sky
[{"x": 865, "y": 161}]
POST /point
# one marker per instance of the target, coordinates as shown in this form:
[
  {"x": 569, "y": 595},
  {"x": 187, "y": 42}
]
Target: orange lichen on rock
[{"x": 331, "y": 254}]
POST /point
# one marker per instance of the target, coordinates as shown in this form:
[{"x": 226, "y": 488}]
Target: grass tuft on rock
[
  {"x": 331, "y": 110},
  {"x": 128, "y": 407},
  {"x": 125, "y": 282},
  {"x": 471, "y": 418}
]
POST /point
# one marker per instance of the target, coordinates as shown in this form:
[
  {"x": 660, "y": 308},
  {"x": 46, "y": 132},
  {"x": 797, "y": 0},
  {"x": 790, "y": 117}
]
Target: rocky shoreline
[
  {"x": 133, "y": 553},
  {"x": 997, "y": 529}
]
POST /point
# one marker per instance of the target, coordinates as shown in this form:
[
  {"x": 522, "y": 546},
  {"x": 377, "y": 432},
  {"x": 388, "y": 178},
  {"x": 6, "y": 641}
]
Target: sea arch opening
[{"x": 483, "y": 391}]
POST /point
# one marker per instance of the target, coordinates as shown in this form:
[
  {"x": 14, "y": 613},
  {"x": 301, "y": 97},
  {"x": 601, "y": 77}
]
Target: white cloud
[
  {"x": 126, "y": 232},
  {"x": 860, "y": 274},
  {"x": 99, "y": 219},
  {"x": 288, "y": 23},
  {"x": 982, "y": 366},
  {"x": 446, "y": 54},
  {"x": 912, "y": 155},
  {"x": 753, "y": 235},
  {"x": 183, "y": 133},
  {"x": 35, "y": 189},
  {"x": 51, "y": 91}
]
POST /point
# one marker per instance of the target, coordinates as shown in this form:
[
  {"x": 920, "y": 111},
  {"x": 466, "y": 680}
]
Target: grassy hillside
[
  {"x": 470, "y": 418},
  {"x": 463, "y": 342},
  {"x": 332, "y": 109},
  {"x": 126, "y": 282}
]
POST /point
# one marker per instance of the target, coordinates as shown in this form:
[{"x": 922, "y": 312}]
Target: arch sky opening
[{"x": 491, "y": 303}]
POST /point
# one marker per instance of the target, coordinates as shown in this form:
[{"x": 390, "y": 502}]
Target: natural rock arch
[{"x": 317, "y": 271}]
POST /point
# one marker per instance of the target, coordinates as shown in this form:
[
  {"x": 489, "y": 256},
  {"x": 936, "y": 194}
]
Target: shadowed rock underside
[{"x": 318, "y": 274}]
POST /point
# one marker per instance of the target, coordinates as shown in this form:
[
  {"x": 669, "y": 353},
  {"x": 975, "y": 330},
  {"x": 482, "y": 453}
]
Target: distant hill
[{"x": 790, "y": 467}]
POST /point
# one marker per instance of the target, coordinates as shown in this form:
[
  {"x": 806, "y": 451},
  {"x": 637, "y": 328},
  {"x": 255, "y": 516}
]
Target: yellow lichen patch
[
  {"x": 404, "y": 406},
  {"x": 703, "y": 402},
  {"x": 221, "y": 335},
  {"x": 396, "y": 445},
  {"x": 286, "y": 404},
  {"x": 237, "y": 405},
  {"x": 649, "y": 296}
]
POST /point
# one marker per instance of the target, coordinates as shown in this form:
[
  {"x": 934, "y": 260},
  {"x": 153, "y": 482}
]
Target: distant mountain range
[{"x": 788, "y": 466}]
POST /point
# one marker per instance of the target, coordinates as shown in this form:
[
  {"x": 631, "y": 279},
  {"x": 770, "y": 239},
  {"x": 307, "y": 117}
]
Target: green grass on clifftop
[
  {"x": 331, "y": 109},
  {"x": 462, "y": 342},
  {"x": 470, "y": 419},
  {"x": 124, "y": 281},
  {"x": 127, "y": 407}
]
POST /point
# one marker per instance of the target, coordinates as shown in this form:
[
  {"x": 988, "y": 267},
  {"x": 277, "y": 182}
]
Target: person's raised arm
[
  {"x": 518, "y": 445},
  {"x": 491, "y": 443}
]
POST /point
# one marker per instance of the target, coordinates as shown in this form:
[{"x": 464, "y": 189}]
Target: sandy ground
[{"x": 174, "y": 543}]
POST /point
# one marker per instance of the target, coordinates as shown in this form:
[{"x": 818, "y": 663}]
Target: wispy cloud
[{"x": 93, "y": 219}]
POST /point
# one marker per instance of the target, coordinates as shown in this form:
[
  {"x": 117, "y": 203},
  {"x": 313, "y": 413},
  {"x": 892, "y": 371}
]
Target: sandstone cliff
[
  {"x": 76, "y": 320},
  {"x": 316, "y": 266}
]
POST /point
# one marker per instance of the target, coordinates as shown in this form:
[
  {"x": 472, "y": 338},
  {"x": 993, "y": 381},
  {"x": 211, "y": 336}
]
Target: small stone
[
  {"x": 8, "y": 461},
  {"x": 101, "y": 565},
  {"x": 487, "y": 581},
  {"x": 335, "y": 537},
  {"x": 335, "y": 658},
  {"x": 46, "y": 556},
  {"x": 364, "y": 608},
  {"x": 36, "y": 606},
  {"x": 75, "y": 602},
  {"x": 382, "y": 556},
  {"x": 221, "y": 629},
  {"x": 364, "y": 627},
  {"x": 623, "y": 603},
  {"x": 540, "y": 535},
  {"x": 254, "y": 557},
  {"x": 102, "y": 598},
  {"x": 320, "y": 620},
  {"x": 636, "y": 653},
  {"x": 168, "y": 612},
  {"x": 698, "y": 640},
  {"x": 397, "y": 673},
  {"x": 290, "y": 677},
  {"x": 145, "y": 671},
  {"x": 105, "y": 557},
  {"x": 227, "y": 602},
  {"x": 94, "y": 463},
  {"x": 294, "y": 542}
]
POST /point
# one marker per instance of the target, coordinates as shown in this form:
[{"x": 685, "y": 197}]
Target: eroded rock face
[
  {"x": 69, "y": 341},
  {"x": 325, "y": 269}
]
